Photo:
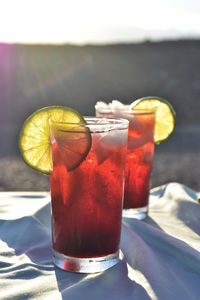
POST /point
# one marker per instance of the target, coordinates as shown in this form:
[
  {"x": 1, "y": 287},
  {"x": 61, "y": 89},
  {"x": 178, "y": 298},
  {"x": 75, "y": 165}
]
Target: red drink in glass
[
  {"x": 139, "y": 160},
  {"x": 87, "y": 200}
]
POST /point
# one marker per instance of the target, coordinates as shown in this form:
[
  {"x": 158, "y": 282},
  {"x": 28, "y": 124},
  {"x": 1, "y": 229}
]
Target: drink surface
[
  {"x": 87, "y": 201},
  {"x": 139, "y": 157}
]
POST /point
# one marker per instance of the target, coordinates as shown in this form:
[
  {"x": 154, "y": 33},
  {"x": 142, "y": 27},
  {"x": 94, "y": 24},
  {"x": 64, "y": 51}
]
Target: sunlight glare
[{"x": 60, "y": 21}]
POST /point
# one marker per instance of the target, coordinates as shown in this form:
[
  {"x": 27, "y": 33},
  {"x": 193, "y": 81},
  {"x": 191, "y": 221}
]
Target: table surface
[{"x": 159, "y": 257}]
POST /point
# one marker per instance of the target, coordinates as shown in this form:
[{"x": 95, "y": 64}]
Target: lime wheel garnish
[
  {"x": 165, "y": 115},
  {"x": 72, "y": 138}
]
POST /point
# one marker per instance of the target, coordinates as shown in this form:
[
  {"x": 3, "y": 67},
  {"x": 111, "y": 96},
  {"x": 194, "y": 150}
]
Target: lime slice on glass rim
[
  {"x": 35, "y": 138},
  {"x": 165, "y": 115}
]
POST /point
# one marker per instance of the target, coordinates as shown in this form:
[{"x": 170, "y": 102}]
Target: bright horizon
[{"x": 89, "y": 21}]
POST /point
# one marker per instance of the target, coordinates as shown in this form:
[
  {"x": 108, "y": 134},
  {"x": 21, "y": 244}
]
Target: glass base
[
  {"x": 137, "y": 213},
  {"x": 85, "y": 265}
]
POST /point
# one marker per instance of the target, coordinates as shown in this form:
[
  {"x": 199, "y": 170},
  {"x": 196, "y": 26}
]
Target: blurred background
[{"x": 75, "y": 53}]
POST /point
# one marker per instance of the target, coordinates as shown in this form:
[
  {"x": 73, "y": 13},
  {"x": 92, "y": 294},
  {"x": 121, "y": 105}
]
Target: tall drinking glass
[
  {"x": 139, "y": 158},
  {"x": 87, "y": 199}
]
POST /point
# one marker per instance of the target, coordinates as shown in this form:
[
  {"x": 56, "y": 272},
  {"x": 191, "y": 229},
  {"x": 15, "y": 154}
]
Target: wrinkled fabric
[{"x": 159, "y": 257}]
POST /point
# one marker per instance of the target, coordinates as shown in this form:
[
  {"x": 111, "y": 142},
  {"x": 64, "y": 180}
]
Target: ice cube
[
  {"x": 101, "y": 104},
  {"x": 106, "y": 143},
  {"x": 114, "y": 139},
  {"x": 113, "y": 105},
  {"x": 116, "y": 104},
  {"x": 135, "y": 141}
]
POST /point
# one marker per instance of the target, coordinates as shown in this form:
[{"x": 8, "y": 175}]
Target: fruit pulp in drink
[{"x": 87, "y": 201}]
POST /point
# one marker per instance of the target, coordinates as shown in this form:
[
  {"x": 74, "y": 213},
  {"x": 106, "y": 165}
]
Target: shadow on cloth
[
  {"x": 113, "y": 283},
  {"x": 170, "y": 266},
  {"x": 30, "y": 235},
  {"x": 188, "y": 211}
]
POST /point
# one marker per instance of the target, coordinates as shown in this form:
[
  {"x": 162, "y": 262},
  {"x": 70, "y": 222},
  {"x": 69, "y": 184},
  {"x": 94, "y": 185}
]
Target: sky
[{"x": 97, "y": 22}]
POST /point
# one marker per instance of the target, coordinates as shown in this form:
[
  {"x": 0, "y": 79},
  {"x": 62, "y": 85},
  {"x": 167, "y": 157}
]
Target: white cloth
[{"x": 160, "y": 256}]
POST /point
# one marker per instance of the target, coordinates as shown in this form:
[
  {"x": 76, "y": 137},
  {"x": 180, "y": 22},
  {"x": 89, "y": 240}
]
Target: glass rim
[
  {"x": 126, "y": 111},
  {"x": 92, "y": 123}
]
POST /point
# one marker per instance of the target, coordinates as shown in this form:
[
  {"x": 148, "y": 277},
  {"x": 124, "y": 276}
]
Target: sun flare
[{"x": 61, "y": 21}]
